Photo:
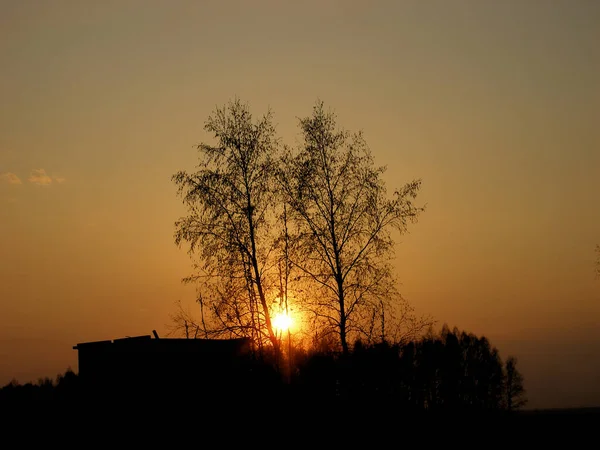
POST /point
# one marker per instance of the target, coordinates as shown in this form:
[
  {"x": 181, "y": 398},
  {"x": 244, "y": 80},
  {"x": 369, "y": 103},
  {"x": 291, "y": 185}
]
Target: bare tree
[
  {"x": 344, "y": 219},
  {"x": 229, "y": 225},
  {"x": 514, "y": 391},
  {"x": 398, "y": 322}
]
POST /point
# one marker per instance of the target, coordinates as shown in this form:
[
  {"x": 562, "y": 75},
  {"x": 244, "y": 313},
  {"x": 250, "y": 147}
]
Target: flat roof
[{"x": 146, "y": 340}]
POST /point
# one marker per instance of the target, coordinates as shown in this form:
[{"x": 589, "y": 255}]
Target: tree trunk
[
  {"x": 342, "y": 317},
  {"x": 258, "y": 279}
]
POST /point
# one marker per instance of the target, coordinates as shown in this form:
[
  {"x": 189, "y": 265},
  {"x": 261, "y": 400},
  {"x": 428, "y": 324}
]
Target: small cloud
[
  {"x": 40, "y": 177},
  {"x": 10, "y": 178},
  {"x": 60, "y": 180}
]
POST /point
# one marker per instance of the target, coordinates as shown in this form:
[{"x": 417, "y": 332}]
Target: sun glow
[{"x": 282, "y": 322}]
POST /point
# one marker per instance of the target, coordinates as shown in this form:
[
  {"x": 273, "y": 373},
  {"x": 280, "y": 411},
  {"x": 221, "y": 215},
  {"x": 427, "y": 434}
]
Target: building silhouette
[{"x": 142, "y": 369}]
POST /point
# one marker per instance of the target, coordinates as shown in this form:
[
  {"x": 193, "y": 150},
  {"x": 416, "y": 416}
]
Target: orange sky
[{"x": 493, "y": 104}]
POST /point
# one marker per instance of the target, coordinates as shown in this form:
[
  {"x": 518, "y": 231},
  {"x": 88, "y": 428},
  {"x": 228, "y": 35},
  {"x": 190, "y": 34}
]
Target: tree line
[{"x": 450, "y": 371}]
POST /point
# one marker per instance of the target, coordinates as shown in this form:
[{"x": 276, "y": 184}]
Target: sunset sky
[{"x": 494, "y": 104}]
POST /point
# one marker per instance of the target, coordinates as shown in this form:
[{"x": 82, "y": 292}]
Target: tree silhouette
[
  {"x": 344, "y": 219},
  {"x": 514, "y": 391},
  {"x": 229, "y": 201},
  {"x": 317, "y": 223}
]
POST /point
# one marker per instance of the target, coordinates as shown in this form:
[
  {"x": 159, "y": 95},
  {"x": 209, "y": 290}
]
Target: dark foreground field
[{"x": 291, "y": 424}]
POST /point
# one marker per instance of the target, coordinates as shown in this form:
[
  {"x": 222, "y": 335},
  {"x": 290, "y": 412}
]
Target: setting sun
[{"x": 282, "y": 322}]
